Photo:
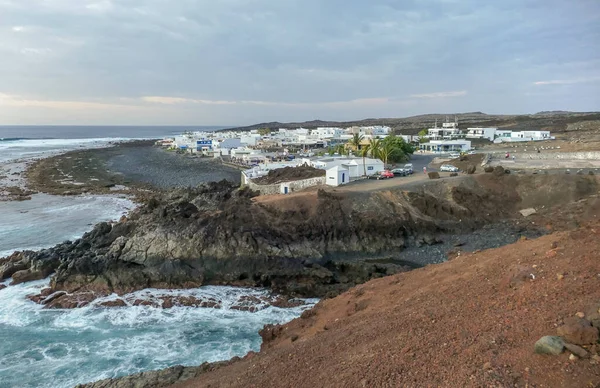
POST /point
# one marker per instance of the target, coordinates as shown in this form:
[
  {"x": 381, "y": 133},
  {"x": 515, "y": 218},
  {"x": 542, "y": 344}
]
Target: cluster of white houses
[{"x": 265, "y": 151}]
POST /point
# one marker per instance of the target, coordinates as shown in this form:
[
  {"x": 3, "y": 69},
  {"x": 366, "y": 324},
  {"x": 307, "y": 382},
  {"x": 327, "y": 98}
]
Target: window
[{"x": 370, "y": 168}]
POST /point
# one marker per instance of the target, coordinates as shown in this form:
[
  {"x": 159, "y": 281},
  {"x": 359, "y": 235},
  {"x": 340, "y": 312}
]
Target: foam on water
[
  {"x": 46, "y": 220},
  {"x": 35, "y": 148},
  {"x": 68, "y": 347}
]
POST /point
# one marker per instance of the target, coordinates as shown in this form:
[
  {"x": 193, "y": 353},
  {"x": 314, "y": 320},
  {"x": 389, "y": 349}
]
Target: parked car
[
  {"x": 472, "y": 152},
  {"x": 382, "y": 175},
  {"x": 399, "y": 172},
  {"x": 408, "y": 168},
  {"x": 454, "y": 155},
  {"x": 448, "y": 168}
]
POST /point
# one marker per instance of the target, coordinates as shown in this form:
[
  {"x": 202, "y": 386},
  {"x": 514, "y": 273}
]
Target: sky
[{"x": 236, "y": 62}]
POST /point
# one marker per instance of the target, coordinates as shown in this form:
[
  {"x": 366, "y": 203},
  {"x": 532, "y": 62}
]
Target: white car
[
  {"x": 455, "y": 155},
  {"x": 472, "y": 152},
  {"x": 448, "y": 168}
]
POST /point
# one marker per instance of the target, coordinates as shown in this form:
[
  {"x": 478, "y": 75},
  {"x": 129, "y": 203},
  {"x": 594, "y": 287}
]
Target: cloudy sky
[{"x": 229, "y": 62}]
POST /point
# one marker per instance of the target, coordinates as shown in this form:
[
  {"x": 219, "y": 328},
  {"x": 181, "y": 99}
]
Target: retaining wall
[{"x": 293, "y": 185}]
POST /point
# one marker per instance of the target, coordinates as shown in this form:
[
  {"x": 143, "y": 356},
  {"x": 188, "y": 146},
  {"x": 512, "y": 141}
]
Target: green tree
[
  {"x": 388, "y": 151},
  {"x": 422, "y": 134},
  {"x": 264, "y": 131},
  {"x": 375, "y": 148},
  {"x": 398, "y": 149},
  {"x": 340, "y": 149},
  {"x": 356, "y": 141}
]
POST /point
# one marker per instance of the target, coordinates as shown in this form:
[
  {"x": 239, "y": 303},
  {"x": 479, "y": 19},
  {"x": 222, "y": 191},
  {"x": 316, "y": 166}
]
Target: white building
[
  {"x": 338, "y": 175},
  {"x": 517, "y": 136},
  {"x": 356, "y": 167},
  {"x": 481, "y": 133},
  {"x": 442, "y": 146},
  {"x": 448, "y": 131},
  {"x": 327, "y": 132}
]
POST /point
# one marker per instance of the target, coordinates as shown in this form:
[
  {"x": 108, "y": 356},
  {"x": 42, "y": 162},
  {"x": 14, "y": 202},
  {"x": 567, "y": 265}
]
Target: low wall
[
  {"x": 293, "y": 185},
  {"x": 582, "y": 155},
  {"x": 547, "y": 160}
]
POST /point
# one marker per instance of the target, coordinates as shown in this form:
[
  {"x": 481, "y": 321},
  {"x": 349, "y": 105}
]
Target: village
[{"x": 341, "y": 155}]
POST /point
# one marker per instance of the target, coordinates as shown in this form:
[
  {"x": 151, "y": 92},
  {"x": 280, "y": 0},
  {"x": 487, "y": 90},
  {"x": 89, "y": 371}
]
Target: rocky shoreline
[{"x": 315, "y": 245}]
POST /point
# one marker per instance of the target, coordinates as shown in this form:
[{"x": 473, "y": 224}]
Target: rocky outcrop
[
  {"x": 314, "y": 244},
  {"x": 159, "y": 378}
]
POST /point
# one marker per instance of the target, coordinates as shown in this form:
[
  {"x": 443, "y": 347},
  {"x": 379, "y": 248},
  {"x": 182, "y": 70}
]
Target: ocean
[{"x": 62, "y": 348}]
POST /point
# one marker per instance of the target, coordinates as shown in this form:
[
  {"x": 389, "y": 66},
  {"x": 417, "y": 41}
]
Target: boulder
[
  {"x": 577, "y": 350},
  {"x": 471, "y": 169},
  {"x": 434, "y": 175},
  {"x": 26, "y": 275},
  {"x": 593, "y": 315},
  {"x": 578, "y": 331},
  {"x": 488, "y": 169},
  {"x": 2, "y": 286},
  {"x": 453, "y": 174},
  {"x": 549, "y": 345},
  {"x": 498, "y": 170}
]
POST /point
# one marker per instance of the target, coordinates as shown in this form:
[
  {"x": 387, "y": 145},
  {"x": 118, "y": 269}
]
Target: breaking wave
[{"x": 69, "y": 347}]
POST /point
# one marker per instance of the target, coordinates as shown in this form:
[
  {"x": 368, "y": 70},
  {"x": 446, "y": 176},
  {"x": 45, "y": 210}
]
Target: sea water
[{"x": 61, "y": 348}]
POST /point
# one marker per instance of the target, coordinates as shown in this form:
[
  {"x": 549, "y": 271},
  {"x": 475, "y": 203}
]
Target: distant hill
[{"x": 555, "y": 121}]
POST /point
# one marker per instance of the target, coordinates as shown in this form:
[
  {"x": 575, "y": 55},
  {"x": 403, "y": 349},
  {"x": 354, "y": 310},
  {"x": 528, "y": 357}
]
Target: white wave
[
  {"x": 28, "y": 149},
  {"x": 68, "y": 347},
  {"x": 46, "y": 220}
]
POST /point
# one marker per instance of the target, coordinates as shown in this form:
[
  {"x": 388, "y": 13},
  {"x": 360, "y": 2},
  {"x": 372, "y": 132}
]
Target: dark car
[{"x": 399, "y": 172}]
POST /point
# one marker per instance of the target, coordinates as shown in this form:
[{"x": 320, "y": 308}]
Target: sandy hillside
[{"x": 472, "y": 321}]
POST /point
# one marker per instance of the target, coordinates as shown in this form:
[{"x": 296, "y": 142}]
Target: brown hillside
[{"x": 470, "y": 322}]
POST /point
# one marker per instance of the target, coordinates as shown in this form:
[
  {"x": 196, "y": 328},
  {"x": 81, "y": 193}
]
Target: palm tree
[
  {"x": 375, "y": 148},
  {"x": 364, "y": 153},
  {"x": 340, "y": 149},
  {"x": 356, "y": 141},
  {"x": 386, "y": 152}
]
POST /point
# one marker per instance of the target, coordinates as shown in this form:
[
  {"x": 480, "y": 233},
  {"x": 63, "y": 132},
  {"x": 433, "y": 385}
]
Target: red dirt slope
[{"x": 470, "y": 322}]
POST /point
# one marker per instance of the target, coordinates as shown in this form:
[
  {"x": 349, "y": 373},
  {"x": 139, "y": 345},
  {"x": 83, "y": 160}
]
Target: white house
[
  {"x": 356, "y": 166},
  {"x": 338, "y": 175},
  {"x": 516, "y": 136}
]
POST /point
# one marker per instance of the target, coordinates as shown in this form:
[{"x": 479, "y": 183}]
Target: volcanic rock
[
  {"x": 578, "y": 331},
  {"x": 577, "y": 350}
]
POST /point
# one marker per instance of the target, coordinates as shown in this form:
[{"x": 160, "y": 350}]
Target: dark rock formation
[
  {"x": 315, "y": 245},
  {"x": 159, "y": 378}
]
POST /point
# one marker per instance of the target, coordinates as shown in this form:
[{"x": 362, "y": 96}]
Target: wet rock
[
  {"x": 26, "y": 275},
  {"x": 578, "y": 331},
  {"x": 2, "y": 286},
  {"x": 549, "y": 345},
  {"x": 577, "y": 350},
  {"x": 156, "y": 379}
]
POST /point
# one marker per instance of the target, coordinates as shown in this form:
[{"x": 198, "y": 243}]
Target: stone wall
[{"x": 293, "y": 185}]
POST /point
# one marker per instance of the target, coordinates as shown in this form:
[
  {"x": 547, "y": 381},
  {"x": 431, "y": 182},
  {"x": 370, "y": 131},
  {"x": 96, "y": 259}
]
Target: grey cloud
[{"x": 298, "y": 52}]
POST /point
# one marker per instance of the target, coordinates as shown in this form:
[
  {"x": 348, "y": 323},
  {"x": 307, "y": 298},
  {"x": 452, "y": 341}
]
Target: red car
[
  {"x": 382, "y": 175},
  {"x": 387, "y": 174}
]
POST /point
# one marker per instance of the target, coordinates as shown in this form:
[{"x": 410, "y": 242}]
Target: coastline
[{"x": 318, "y": 243}]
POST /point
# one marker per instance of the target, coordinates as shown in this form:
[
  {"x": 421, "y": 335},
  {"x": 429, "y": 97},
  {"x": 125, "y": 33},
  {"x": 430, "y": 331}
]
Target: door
[
  {"x": 343, "y": 177},
  {"x": 285, "y": 189}
]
